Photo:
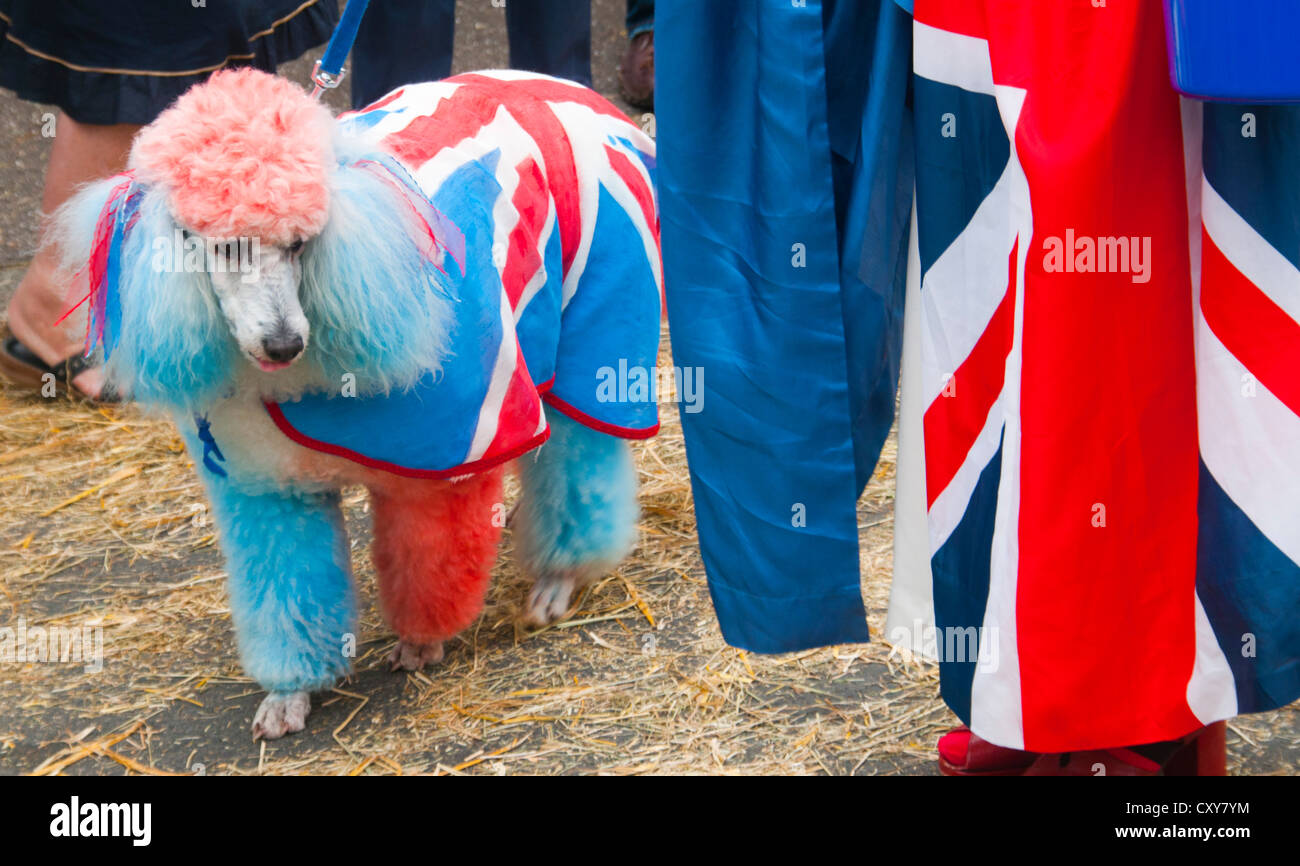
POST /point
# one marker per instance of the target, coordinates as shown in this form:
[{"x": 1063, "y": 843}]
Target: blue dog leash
[{"x": 328, "y": 71}]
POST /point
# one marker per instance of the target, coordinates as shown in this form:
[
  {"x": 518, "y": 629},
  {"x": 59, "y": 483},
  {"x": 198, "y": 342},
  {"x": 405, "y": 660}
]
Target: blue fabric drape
[{"x": 785, "y": 192}]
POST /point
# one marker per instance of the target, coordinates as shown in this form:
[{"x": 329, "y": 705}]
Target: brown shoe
[{"x": 636, "y": 75}]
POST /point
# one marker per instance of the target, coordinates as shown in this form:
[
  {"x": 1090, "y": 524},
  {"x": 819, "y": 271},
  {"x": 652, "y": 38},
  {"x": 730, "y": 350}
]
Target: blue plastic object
[{"x": 1241, "y": 51}]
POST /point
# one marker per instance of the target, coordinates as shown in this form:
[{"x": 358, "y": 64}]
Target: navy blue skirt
[{"x": 125, "y": 61}]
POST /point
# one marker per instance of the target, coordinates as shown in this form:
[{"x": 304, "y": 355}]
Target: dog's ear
[
  {"x": 165, "y": 341},
  {"x": 372, "y": 283}
]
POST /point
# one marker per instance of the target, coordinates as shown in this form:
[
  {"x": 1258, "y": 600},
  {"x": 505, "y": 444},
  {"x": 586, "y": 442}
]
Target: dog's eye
[{"x": 295, "y": 247}]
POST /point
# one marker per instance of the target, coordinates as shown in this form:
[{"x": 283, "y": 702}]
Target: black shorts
[{"x": 124, "y": 61}]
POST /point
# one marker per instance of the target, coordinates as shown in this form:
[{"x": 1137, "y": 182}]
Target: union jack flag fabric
[
  {"x": 552, "y": 188},
  {"x": 1105, "y": 317}
]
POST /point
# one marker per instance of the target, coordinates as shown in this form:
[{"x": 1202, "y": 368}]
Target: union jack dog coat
[{"x": 390, "y": 299}]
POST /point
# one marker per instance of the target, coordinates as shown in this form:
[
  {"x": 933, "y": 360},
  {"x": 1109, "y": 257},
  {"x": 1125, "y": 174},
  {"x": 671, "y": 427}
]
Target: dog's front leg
[
  {"x": 291, "y": 596},
  {"x": 435, "y": 542}
]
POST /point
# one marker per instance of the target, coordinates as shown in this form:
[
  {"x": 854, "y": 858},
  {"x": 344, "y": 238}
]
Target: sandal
[{"x": 24, "y": 368}]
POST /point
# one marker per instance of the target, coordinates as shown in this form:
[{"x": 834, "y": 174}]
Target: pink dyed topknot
[{"x": 244, "y": 154}]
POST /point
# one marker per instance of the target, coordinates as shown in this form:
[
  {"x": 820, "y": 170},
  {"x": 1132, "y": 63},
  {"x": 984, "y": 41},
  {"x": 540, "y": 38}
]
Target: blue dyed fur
[
  {"x": 377, "y": 308},
  {"x": 578, "y": 511},
  {"x": 377, "y": 311},
  {"x": 175, "y": 349},
  {"x": 291, "y": 596}
]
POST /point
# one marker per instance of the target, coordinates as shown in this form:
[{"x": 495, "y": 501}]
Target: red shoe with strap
[{"x": 962, "y": 753}]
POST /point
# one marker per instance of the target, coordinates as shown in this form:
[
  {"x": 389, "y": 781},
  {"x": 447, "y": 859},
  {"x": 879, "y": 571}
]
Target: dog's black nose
[{"x": 282, "y": 347}]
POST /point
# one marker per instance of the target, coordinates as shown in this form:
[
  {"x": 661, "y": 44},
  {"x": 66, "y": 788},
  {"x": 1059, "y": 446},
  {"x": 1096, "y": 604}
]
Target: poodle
[{"x": 388, "y": 299}]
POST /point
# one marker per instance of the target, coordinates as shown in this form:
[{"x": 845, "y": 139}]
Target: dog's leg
[
  {"x": 435, "y": 543},
  {"x": 291, "y": 596},
  {"x": 577, "y": 516}
]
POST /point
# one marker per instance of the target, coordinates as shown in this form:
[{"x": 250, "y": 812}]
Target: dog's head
[{"x": 248, "y": 237}]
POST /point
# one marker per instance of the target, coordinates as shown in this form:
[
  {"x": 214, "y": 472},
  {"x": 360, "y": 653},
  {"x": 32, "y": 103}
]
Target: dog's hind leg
[
  {"x": 577, "y": 517},
  {"x": 435, "y": 543},
  {"x": 291, "y": 596}
]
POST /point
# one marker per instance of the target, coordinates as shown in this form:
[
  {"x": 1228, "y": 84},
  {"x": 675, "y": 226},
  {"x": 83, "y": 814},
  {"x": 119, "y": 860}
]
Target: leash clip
[{"x": 325, "y": 80}]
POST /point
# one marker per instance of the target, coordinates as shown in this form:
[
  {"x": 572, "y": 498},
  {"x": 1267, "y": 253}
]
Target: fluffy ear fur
[
  {"x": 377, "y": 306},
  {"x": 174, "y": 350}
]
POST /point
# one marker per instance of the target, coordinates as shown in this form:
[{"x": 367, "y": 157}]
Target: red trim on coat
[
  {"x": 596, "y": 424},
  {"x": 277, "y": 415}
]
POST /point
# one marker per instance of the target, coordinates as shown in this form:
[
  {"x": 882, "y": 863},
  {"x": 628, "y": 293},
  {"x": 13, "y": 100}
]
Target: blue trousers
[
  {"x": 407, "y": 41},
  {"x": 785, "y": 192}
]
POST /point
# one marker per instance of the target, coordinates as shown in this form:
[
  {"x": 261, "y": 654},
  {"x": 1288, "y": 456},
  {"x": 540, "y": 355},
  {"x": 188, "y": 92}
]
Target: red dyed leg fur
[{"x": 435, "y": 543}]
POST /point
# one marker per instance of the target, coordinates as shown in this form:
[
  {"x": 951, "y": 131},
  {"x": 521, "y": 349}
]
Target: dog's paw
[
  {"x": 409, "y": 656},
  {"x": 281, "y": 713},
  {"x": 550, "y": 599}
]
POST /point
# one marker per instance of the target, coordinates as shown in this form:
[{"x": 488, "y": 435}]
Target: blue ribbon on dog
[{"x": 210, "y": 449}]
